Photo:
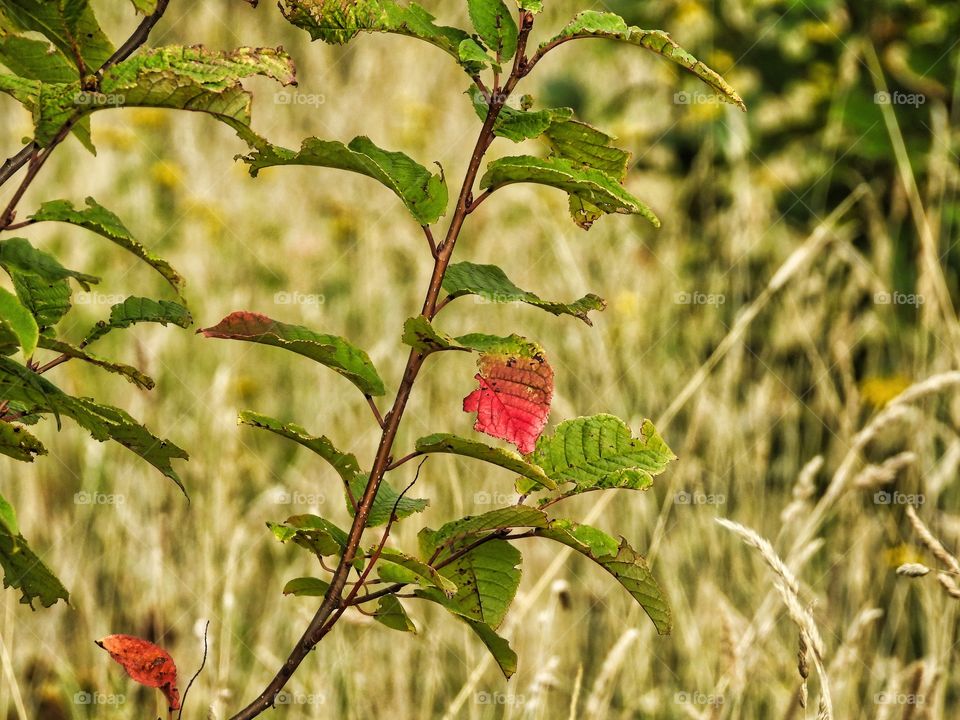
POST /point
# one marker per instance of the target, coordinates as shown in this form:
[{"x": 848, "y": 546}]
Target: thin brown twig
[
  {"x": 405, "y": 459},
  {"x": 433, "y": 244},
  {"x": 476, "y": 203},
  {"x": 32, "y": 155},
  {"x": 138, "y": 38},
  {"x": 376, "y": 411},
  {"x": 396, "y": 587},
  {"x": 13, "y": 163},
  {"x": 443, "y": 303},
  {"x": 383, "y": 541},
  {"x": 59, "y": 360},
  {"x": 17, "y": 226},
  {"x": 203, "y": 662}
]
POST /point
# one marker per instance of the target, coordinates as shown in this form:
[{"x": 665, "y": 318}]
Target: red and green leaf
[{"x": 513, "y": 400}]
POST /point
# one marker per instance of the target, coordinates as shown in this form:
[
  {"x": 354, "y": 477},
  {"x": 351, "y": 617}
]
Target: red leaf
[
  {"x": 146, "y": 663},
  {"x": 513, "y": 400}
]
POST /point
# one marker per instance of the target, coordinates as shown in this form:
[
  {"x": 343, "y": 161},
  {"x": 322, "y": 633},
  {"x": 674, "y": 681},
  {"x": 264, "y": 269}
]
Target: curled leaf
[{"x": 146, "y": 663}]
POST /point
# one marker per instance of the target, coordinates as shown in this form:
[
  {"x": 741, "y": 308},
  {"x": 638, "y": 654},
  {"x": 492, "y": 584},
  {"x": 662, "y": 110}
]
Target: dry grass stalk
[
  {"x": 789, "y": 587},
  {"x": 803, "y": 668},
  {"x": 599, "y": 699},
  {"x": 803, "y": 490},
  {"x": 874, "y": 476},
  {"x": 949, "y": 585},
  {"x": 913, "y": 570},
  {"x": 575, "y": 695},
  {"x": 913, "y": 694},
  {"x": 930, "y": 541}
]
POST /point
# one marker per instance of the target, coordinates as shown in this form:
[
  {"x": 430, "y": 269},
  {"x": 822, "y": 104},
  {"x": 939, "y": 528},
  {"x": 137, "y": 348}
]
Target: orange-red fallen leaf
[
  {"x": 513, "y": 400},
  {"x": 146, "y": 663}
]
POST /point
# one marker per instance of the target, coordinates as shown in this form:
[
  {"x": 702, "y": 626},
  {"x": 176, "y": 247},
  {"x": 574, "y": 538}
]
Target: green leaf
[
  {"x": 24, "y": 91},
  {"x": 23, "y": 570},
  {"x": 495, "y": 25},
  {"x": 40, "y": 280},
  {"x": 18, "y": 320},
  {"x": 103, "y": 422},
  {"x": 569, "y": 139},
  {"x": 594, "y": 24},
  {"x": 8, "y": 518},
  {"x": 593, "y": 186},
  {"x": 476, "y": 526},
  {"x": 313, "y": 533},
  {"x": 446, "y": 443},
  {"x": 34, "y": 59},
  {"x": 37, "y": 60},
  {"x": 306, "y": 587},
  {"x": 69, "y": 24},
  {"x": 145, "y": 7},
  {"x": 583, "y": 212},
  {"x": 620, "y": 560},
  {"x": 470, "y": 51},
  {"x": 98, "y": 219},
  {"x": 419, "y": 333},
  {"x": 194, "y": 77},
  {"x": 518, "y": 125},
  {"x": 583, "y": 144},
  {"x": 17, "y": 443},
  {"x": 390, "y": 612},
  {"x": 493, "y": 285},
  {"x": 17, "y": 254},
  {"x": 600, "y": 452},
  {"x": 424, "y": 194},
  {"x": 47, "y": 301},
  {"x": 498, "y": 646},
  {"x": 533, "y": 6},
  {"x": 135, "y": 310},
  {"x": 346, "y": 464},
  {"x": 330, "y": 350},
  {"x": 338, "y": 22},
  {"x": 131, "y": 373},
  {"x": 386, "y": 501},
  {"x": 487, "y": 578},
  {"x": 395, "y": 566},
  {"x": 21, "y": 567},
  {"x": 172, "y": 77}
]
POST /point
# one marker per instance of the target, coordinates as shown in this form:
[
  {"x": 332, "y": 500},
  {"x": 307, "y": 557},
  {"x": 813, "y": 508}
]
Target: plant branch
[
  {"x": 332, "y": 607},
  {"x": 405, "y": 459},
  {"x": 32, "y": 153},
  {"x": 59, "y": 360},
  {"x": 547, "y": 47},
  {"x": 36, "y": 161},
  {"x": 138, "y": 38},
  {"x": 17, "y": 226},
  {"x": 443, "y": 303},
  {"x": 396, "y": 587},
  {"x": 476, "y": 203},
  {"x": 13, "y": 163},
  {"x": 376, "y": 411},
  {"x": 383, "y": 541},
  {"x": 433, "y": 244},
  {"x": 203, "y": 662}
]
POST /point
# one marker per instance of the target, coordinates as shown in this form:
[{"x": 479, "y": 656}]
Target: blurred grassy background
[{"x": 739, "y": 194}]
